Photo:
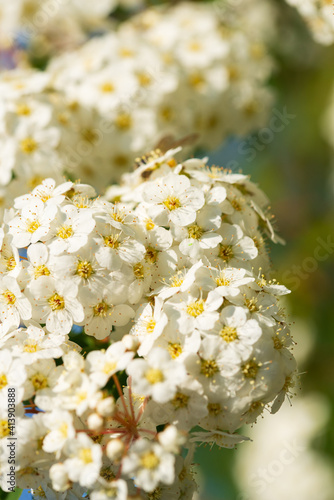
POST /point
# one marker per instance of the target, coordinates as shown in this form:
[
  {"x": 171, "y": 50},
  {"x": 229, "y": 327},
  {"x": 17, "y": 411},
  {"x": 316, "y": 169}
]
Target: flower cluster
[
  {"x": 211, "y": 63},
  {"x": 51, "y": 26},
  {"x": 45, "y": 134},
  {"x": 318, "y": 14},
  {"x": 171, "y": 275}
]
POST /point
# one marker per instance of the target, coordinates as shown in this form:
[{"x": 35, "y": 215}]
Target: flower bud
[
  {"x": 130, "y": 342},
  {"x": 95, "y": 421},
  {"x": 106, "y": 407},
  {"x": 59, "y": 477},
  {"x": 115, "y": 449}
]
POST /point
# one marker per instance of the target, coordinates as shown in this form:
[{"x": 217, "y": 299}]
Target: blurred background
[{"x": 292, "y": 453}]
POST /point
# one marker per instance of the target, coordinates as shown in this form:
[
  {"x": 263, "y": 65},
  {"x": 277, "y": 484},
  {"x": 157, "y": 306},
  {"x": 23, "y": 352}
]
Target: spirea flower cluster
[
  {"x": 45, "y": 134},
  {"x": 211, "y": 62},
  {"x": 318, "y": 15},
  {"x": 172, "y": 277},
  {"x": 52, "y": 25}
]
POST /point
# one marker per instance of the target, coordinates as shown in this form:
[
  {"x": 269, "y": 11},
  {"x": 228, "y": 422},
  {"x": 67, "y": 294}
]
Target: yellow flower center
[
  {"x": 30, "y": 348},
  {"x": 111, "y": 241},
  {"x": 196, "y": 80},
  {"x": 56, "y": 302},
  {"x": 109, "y": 366},
  {"x": 195, "y": 232},
  {"x": 225, "y": 252},
  {"x": 3, "y": 381},
  {"x": 138, "y": 271},
  {"x": 9, "y": 297},
  {"x": 177, "y": 279},
  {"x": 101, "y": 309},
  {"x": 214, "y": 409},
  {"x": 32, "y": 226},
  {"x": 174, "y": 349},
  {"x": 65, "y": 232},
  {"x": 180, "y": 400},
  {"x": 222, "y": 281},
  {"x": 123, "y": 121},
  {"x": 107, "y": 87},
  {"x": 28, "y": 145},
  {"x": 251, "y": 304},
  {"x": 149, "y": 224},
  {"x": 155, "y": 494},
  {"x": 89, "y": 135},
  {"x": 228, "y": 333},
  {"x": 250, "y": 369},
  {"x": 151, "y": 255},
  {"x": 4, "y": 428},
  {"x": 85, "y": 455},
  {"x": 209, "y": 367},
  {"x": 195, "y": 46},
  {"x": 196, "y": 308},
  {"x": 39, "y": 492},
  {"x": 236, "y": 205},
  {"x": 84, "y": 269},
  {"x": 149, "y": 460},
  {"x": 172, "y": 203},
  {"x": 150, "y": 325},
  {"x": 278, "y": 343},
  {"x": 23, "y": 109},
  {"x": 144, "y": 79},
  {"x": 154, "y": 376},
  {"x": 10, "y": 263},
  {"x": 39, "y": 381},
  {"x": 41, "y": 270}
]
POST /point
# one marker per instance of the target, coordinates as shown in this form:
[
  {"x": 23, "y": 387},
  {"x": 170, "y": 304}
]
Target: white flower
[
  {"x": 174, "y": 199},
  {"x": 105, "y": 309},
  {"x": 60, "y": 426},
  {"x": 157, "y": 376},
  {"x": 32, "y": 224},
  {"x": 103, "y": 365},
  {"x": 73, "y": 228},
  {"x": 149, "y": 463},
  {"x": 14, "y": 305},
  {"x": 234, "y": 248},
  {"x": 56, "y": 304},
  {"x": 149, "y": 325},
  {"x": 85, "y": 460},
  {"x": 12, "y": 374},
  {"x": 189, "y": 311},
  {"x": 237, "y": 331}
]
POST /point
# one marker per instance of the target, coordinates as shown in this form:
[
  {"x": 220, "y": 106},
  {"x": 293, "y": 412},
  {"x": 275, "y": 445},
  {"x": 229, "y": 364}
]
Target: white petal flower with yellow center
[
  {"x": 104, "y": 310},
  {"x": 104, "y": 364},
  {"x": 173, "y": 199},
  {"x": 56, "y": 304},
  {"x": 149, "y": 464},
  {"x": 60, "y": 429},
  {"x": 14, "y": 305},
  {"x": 85, "y": 460},
  {"x": 157, "y": 376},
  {"x": 72, "y": 230},
  {"x": 33, "y": 224},
  {"x": 189, "y": 311}
]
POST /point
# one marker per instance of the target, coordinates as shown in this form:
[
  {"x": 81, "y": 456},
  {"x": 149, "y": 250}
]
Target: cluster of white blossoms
[
  {"x": 171, "y": 276},
  {"x": 44, "y": 134},
  {"x": 52, "y": 25},
  {"x": 318, "y": 15},
  {"x": 121, "y": 94},
  {"x": 208, "y": 61}
]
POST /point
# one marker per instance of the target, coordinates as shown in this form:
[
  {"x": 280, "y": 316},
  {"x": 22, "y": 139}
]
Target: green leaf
[{"x": 10, "y": 496}]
